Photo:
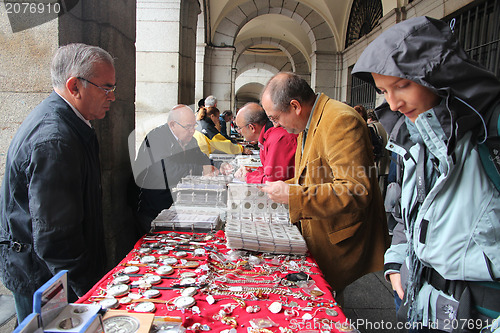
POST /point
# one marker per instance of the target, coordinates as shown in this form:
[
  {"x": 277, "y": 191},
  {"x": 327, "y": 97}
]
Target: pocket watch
[
  {"x": 121, "y": 279},
  {"x": 148, "y": 259},
  {"x": 180, "y": 254},
  {"x": 186, "y": 281},
  {"x": 189, "y": 291},
  {"x": 184, "y": 302},
  {"x": 151, "y": 293},
  {"x": 169, "y": 261},
  {"x": 152, "y": 279},
  {"x": 118, "y": 290},
  {"x": 187, "y": 275},
  {"x": 130, "y": 270},
  {"x": 144, "y": 307},
  {"x": 164, "y": 270},
  {"x": 109, "y": 303}
]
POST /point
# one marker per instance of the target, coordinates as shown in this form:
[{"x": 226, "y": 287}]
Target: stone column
[
  {"x": 218, "y": 82},
  {"x": 324, "y": 72}
]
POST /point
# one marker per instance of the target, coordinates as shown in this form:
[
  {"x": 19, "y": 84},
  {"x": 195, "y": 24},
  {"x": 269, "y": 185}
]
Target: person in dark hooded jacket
[{"x": 444, "y": 261}]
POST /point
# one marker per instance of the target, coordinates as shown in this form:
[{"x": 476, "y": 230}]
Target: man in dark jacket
[
  {"x": 50, "y": 206},
  {"x": 167, "y": 153}
]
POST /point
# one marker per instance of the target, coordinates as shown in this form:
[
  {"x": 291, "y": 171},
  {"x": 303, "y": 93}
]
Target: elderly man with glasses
[
  {"x": 51, "y": 205},
  {"x": 276, "y": 146},
  {"x": 167, "y": 154}
]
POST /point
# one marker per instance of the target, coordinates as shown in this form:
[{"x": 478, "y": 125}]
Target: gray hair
[
  {"x": 77, "y": 60},
  {"x": 284, "y": 87},
  {"x": 254, "y": 114},
  {"x": 210, "y": 101}
]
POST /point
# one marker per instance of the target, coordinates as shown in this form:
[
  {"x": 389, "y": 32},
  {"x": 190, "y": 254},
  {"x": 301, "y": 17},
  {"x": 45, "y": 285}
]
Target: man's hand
[
  {"x": 210, "y": 170},
  {"x": 277, "y": 191},
  {"x": 246, "y": 151},
  {"x": 226, "y": 168},
  {"x": 241, "y": 173}
]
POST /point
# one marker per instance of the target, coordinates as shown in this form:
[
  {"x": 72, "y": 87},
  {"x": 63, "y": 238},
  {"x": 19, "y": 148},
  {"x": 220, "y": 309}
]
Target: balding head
[
  {"x": 252, "y": 113},
  {"x": 182, "y": 122},
  {"x": 250, "y": 120}
]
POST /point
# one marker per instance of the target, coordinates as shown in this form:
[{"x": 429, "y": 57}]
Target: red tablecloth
[{"x": 234, "y": 288}]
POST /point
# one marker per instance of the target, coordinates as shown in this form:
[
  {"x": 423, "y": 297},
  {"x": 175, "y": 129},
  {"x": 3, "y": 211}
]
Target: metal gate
[{"x": 478, "y": 30}]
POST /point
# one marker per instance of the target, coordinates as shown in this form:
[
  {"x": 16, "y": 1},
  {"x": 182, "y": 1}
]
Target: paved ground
[{"x": 369, "y": 305}]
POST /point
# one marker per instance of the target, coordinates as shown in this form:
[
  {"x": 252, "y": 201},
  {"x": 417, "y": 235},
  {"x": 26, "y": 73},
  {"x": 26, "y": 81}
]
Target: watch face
[
  {"x": 189, "y": 291},
  {"x": 188, "y": 275},
  {"x": 184, "y": 302},
  {"x": 121, "y": 279},
  {"x": 148, "y": 259},
  {"x": 164, "y": 270},
  {"x": 186, "y": 281},
  {"x": 151, "y": 293},
  {"x": 109, "y": 303},
  {"x": 118, "y": 290},
  {"x": 152, "y": 279},
  {"x": 170, "y": 261},
  {"x": 145, "y": 307},
  {"x": 130, "y": 270},
  {"x": 121, "y": 324},
  {"x": 181, "y": 254}
]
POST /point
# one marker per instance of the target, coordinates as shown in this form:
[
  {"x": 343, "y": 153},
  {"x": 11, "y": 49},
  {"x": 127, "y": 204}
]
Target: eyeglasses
[
  {"x": 106, "y": 90},
  {"x": 275, "y": 119},
  {"x": 186, "y": 127},
  {"x": 238, "y": 129}
]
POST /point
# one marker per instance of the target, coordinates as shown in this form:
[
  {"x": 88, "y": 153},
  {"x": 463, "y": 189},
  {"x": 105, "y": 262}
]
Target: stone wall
[{"x": 25, "y": 58}]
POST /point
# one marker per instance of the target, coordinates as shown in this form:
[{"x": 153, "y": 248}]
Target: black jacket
[
  {"x": 50, "y": 205},
  {"x": 160, "y": 165}
]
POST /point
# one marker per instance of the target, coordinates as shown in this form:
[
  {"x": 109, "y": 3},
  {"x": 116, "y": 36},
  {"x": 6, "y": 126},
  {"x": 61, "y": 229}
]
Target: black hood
[{"x": 424, "y": 50}]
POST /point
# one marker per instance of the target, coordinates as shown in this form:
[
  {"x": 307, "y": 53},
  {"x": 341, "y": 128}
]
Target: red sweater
[{"x": 277, "y": 155}]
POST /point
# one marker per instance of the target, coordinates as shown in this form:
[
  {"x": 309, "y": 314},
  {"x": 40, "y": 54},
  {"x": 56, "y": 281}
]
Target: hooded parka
[{"x": 455, "y": 229}]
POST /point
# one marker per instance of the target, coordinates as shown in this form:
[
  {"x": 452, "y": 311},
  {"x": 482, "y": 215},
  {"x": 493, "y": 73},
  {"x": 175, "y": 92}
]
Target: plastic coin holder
[
  {"x": 130, "y": 270},
  {"x": 148, "y": 259},
  {"x": 121, "y": 279},
  {"x": 118, "y": 290},
  {"x": 151, "y": 293},
  {"x": 109, "y": 303},
  {"x": 164, "y": 270}
]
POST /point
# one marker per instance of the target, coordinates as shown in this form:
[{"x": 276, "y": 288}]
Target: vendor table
[{"x": 194, "y": 277}]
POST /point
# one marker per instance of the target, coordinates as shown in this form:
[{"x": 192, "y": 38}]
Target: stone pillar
[
  {"x": 25, "y": 71},
  {"x": 323, "y": 73},
  {"x": 166, "y": 55},
  {"x": 111, "y": 25},
  {"x": 218, "y": 82},
  {"x": 233, "y": 90}
]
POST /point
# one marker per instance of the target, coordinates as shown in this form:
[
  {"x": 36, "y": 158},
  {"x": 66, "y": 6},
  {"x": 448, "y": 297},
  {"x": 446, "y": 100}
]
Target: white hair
[{"x": 76, "y": 60}]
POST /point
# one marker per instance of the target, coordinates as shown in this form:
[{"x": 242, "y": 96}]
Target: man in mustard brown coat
[{"x": 334, "y": 195}]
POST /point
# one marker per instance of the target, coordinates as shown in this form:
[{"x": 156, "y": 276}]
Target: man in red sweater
[{"x": 277, "y": 146}]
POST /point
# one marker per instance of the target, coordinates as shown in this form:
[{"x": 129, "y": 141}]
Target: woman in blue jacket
[{"x": 444, "y": 261}]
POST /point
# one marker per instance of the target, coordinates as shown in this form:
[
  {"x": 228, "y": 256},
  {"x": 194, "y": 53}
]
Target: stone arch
[
  {"x": 298, "y": 62},
  {"x": 317, "y": 29}
]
